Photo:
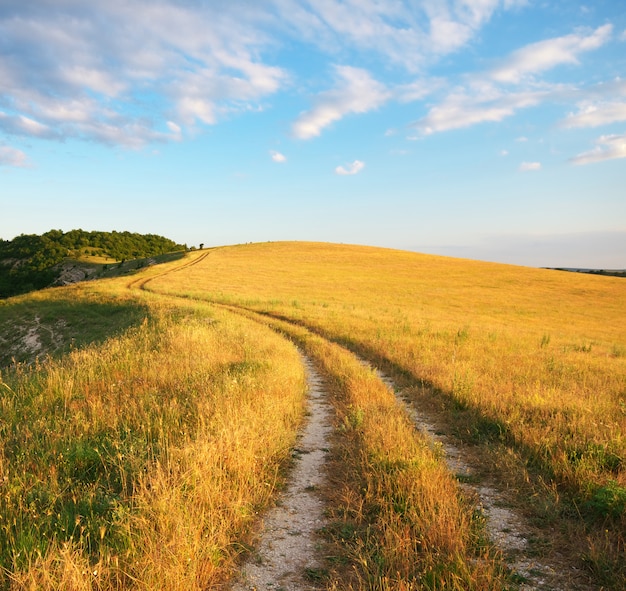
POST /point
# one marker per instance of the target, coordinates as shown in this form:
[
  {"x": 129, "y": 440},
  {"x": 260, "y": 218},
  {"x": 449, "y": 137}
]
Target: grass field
[
  {"x": 100, "y": 442},
  {"x": 528, "y": 363},
  {"x": 143, "y": 459}
]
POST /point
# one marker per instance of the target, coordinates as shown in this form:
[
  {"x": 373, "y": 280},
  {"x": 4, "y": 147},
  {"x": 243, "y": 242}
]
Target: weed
[{"x": 609, "y": 500}]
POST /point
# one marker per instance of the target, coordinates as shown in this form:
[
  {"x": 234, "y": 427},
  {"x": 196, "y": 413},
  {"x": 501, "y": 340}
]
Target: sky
[{"x": 482, "y": 129}]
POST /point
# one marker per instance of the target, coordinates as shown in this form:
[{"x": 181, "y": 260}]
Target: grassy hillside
[
  {"x": 528, "y": 363},
  {"x": 144, "y": 457},
  {"x": 106, "y": 448},
  {"x": 30, "y": 262}
]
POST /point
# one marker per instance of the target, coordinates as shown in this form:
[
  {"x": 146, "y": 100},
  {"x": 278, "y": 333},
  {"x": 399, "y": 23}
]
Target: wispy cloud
[
  {"x": 13, "y": 157},
  {"x": 76, "y": 72},
  {"x": 461, "y": 110},
  {"x": 278, "y": 157},
  {"x": 608, "y": 147},
  {"x": 488, "y": 97},
  {"x": 545, "y": 55},
  {"x": 528, "y": 166},
  {"x": 353, "y": 168},
  {"x": 356, "y": 92},
  {"x": 595, "y": 114},
  {"x": 406, "y": 33}
]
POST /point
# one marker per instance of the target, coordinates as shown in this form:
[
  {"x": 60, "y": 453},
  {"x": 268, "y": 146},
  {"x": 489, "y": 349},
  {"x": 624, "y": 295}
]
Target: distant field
[{"x": 525, "y": 366}]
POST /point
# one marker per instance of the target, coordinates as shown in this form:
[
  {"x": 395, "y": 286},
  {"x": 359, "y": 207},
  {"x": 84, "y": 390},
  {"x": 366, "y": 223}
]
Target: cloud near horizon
[
  {"x": 352, "y": 168},
  {"x": 608, "y": 147},
  {"x": 13, "y": 157}
]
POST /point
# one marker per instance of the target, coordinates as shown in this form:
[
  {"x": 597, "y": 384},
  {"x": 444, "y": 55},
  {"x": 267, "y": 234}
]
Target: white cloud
[
  {"x": 595, "y": 114},
  {"x": 528, "y": 166},
  {"x": 462, "y": 110},
  {"x": 353, "y": 168},
  {"x": 173, "y": 127},
  {"x": 356, "y": 92},
  {"x": 13, "y": 157},
  {"x": 504, "y": 152},
  {"x": 92, "y": 78},
  {"x": 451, "y": 25},
  {"x": 482, "y": 96},
  {"x": 448, "y": 35},
  {"x": 521, "y": 139},
  {"x": 608, "y": 147},
  {"x": 74, "y": 70},
  {"x": 278, "y": 157},
  {"x": 406, "y": 33},
  {"x": 408, "y": 93},
  {"x": 21, "y": 125},
  {"x": 544, "y": 55}
]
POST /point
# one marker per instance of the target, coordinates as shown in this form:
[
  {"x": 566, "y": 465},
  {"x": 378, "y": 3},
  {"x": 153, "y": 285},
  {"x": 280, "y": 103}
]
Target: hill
[
  {"x": 144, "y": 448},
  {"x": 30, "y": 262}
]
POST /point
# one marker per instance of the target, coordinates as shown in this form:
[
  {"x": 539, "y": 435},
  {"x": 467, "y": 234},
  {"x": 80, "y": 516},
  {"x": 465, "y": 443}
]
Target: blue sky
[{"x": 484, "y": 129}]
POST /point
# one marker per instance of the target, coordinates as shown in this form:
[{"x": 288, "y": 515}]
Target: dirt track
[
  {"x": 287, "y": 557},
  {"x": 287, "y": 548}
]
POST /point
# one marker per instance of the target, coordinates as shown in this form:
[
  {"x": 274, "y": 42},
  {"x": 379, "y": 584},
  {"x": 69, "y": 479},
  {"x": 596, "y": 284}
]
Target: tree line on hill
[{"x": 30, "y": 261}]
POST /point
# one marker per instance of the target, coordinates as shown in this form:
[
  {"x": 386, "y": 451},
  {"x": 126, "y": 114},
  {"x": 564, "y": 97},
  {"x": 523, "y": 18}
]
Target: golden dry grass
[
  {"x": 143, "y": 462},
  {"x": 398, "y": 517},
  {"x": 144, "y": 459},
  {"x": 529, "y": 359}
]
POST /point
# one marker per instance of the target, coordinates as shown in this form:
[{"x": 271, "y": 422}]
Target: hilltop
[{"x": 30, "y": 262}]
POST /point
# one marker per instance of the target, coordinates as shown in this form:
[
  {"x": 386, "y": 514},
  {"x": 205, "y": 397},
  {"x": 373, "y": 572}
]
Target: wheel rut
[
  {"x": 506, "y": 528},
  {"x": 287, "y": 556}
]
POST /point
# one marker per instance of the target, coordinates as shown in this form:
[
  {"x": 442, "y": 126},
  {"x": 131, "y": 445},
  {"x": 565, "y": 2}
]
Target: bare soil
[{"x": 288, "y": 556}]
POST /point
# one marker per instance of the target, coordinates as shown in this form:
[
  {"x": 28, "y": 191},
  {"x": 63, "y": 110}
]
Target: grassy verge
[{"x": 142, "y": 461}]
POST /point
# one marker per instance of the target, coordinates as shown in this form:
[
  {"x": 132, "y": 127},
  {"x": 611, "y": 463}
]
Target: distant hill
[
  {"x": 604, "y": 272},
  {"x": 30, "y": 262}
]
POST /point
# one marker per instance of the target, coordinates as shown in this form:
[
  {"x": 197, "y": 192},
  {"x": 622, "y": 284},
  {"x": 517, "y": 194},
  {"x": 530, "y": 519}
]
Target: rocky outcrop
[{"x": 71, "y": 273}]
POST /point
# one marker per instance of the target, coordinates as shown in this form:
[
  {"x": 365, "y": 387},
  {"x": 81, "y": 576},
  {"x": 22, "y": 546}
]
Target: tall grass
[
  {"x": 527, "y": 362},
  {"x": 398, "y": 517},
  {"x": 143, "y": 461}
]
